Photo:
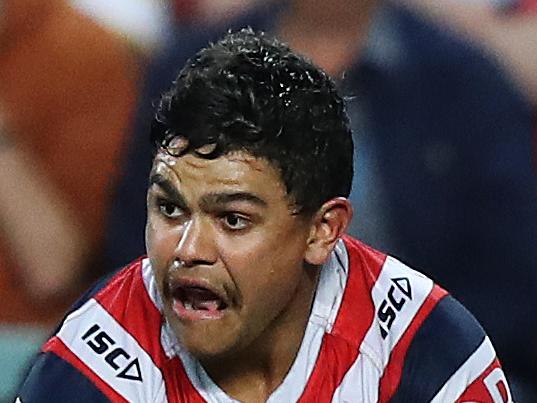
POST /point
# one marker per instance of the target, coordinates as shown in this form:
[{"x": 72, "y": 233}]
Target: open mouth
[
  {"x": 199, "y": 299},
  {"x": 193, "y": 302}
]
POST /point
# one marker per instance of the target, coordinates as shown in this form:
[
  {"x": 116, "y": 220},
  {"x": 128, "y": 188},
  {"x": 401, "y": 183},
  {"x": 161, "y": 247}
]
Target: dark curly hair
[{"x": 252, "y": 93}]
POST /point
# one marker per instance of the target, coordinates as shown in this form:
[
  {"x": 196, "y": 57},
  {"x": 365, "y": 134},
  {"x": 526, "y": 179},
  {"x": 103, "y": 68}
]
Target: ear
[{"x": 329, "y": 224}]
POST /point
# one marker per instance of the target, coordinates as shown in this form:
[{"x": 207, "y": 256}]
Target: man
[{"x": 251, "y": 291}]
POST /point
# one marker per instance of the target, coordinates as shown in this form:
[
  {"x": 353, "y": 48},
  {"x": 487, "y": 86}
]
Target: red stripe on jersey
[
  {"x": 127, "y": 300},
  {"x": 477, "y": 391},
  {"x": 178, "y": 385},
  {"x": 339, "y": 348},
  {"x": 56, "y": 346},
  {"x": 392, "y": 373},
  {"x": 335, "y": 359},
  {"x": 356, "y": 312}
]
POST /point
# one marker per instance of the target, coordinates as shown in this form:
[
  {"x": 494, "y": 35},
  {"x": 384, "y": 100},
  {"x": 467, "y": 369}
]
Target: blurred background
[{"x": 441, "y": 95}]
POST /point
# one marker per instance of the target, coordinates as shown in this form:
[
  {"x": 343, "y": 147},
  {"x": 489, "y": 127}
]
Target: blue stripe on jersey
[
  {"x": 447, "y": 337},
  {"x": 53, "y": 380},
  {"x": 94, "y": 289}
]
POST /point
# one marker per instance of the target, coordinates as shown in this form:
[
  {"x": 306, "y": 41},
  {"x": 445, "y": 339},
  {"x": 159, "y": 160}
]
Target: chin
[
  {"x": 210, "y": 352},
  {"x": 206, "y": 344}
]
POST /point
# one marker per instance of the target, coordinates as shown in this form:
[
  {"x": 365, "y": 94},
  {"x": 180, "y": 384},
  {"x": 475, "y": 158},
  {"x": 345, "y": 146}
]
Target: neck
[
  {"x": 330, "y": 33},
  {"x": 255, "y": 372}
]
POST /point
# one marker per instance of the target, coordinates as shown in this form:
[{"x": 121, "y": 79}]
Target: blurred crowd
[{"x": 442, "y": 99}]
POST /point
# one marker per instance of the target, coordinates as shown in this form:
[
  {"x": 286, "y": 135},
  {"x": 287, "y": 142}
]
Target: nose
[{"x": 196, "y": 244}]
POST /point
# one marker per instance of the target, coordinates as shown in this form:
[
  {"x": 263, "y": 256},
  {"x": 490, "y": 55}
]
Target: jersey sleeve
[
  {"x": 57, "y": 375},
  {"x": 52, "y": 379},
  {"x": 451, "y": 359},
  {"x": 107, "y": 347}
]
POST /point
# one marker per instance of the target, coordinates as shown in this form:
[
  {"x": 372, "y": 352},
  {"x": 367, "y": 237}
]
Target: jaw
[
  {"x": 205, "y": 334},
  {"x": 264, "y": 360}
]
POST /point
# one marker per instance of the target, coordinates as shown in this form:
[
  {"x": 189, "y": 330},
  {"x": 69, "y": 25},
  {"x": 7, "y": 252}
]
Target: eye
[
  {"x": 169, "y": 209},
  {"x": 235, "y": 222}
]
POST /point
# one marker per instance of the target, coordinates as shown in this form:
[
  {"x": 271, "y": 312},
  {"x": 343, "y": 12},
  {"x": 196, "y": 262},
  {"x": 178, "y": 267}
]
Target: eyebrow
[
  {"x": 213, "y": 200},
  {"x": 209, "y": 201},
  {"x": 168, "y": 188}
]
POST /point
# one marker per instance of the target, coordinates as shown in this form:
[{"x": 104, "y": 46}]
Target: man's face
[{"x": 226, "y": 251}]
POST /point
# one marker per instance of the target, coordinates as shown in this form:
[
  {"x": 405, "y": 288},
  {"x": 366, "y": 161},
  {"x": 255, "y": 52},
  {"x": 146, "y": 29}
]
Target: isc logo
[
  {"x": 399, "y": 292},
  {"x": 103, "y": 344}
]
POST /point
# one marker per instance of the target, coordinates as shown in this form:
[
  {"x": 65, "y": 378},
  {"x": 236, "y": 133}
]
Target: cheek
[
  {"x": 263, "y": 270},
  {"x": 160, "y": 242}
]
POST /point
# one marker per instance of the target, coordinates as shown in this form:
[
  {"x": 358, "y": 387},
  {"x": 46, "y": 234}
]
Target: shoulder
[
  {"x": 105, "y": 348},
  {"x": 109, "y": 290},
  {"x": 398, "y": 294},
  {"x": 451, "y": 351},
  {"x": 417, "y": 331}
]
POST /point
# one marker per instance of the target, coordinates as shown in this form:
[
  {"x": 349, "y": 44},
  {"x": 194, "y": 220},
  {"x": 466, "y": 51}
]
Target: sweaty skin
[{"x": 225, "y": 226}]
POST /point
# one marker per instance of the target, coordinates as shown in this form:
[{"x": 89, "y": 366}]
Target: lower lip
[{"x": 194, "y": 314}]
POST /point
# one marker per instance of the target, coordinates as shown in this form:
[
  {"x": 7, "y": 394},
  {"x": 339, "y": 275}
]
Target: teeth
[{"x": 188, "y": 305}]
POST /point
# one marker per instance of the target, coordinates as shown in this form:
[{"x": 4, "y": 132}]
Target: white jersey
[{"x": 378, "y": 331}]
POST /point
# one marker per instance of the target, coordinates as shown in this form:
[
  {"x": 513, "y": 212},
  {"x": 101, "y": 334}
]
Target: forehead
[{"x": 238, "y": 170}]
